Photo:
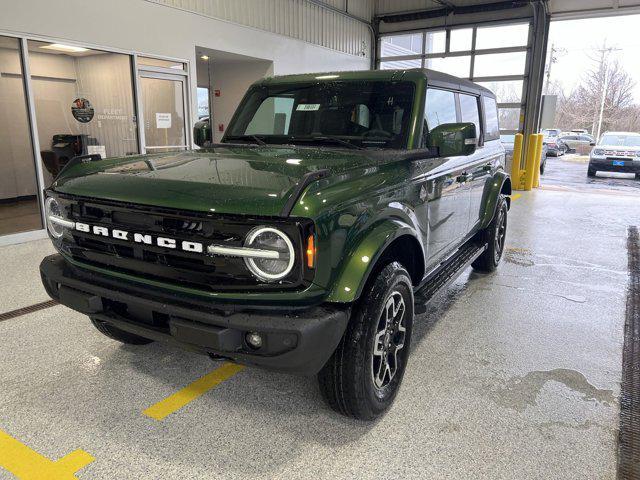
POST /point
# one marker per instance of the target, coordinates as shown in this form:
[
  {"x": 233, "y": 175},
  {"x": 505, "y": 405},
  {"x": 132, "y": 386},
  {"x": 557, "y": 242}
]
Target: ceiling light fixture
[
  {"x": 65, "y": 48},
  {"x": 204, "y": 57}
]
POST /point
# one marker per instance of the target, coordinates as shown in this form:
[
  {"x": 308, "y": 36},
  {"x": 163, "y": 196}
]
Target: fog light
[{"x": 254, "y": 339}]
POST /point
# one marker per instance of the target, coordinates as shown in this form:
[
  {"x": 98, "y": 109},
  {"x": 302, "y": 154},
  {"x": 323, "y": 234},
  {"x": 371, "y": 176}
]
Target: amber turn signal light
[{"x": 311, "y": 251}]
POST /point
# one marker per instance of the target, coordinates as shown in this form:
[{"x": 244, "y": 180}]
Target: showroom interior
[{"x": 526, "y": 372}]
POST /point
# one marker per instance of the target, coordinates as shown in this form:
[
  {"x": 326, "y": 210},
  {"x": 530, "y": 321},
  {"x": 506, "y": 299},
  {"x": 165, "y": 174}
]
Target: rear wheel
[
  {"x": 362, "y": 377},
  {"x": 494, "y": 237},
  {"x": 117, "y": 334}
]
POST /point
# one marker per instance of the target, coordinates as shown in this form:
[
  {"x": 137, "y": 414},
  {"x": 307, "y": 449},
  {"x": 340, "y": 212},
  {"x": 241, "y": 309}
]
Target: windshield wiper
[{"x": 325, "y": 138}]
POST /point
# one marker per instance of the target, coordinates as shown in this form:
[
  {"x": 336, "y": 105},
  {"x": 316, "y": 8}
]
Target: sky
[{"x": 581, "y": 38}]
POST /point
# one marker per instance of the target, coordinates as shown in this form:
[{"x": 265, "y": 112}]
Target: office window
[
  {"x": 84, "y": 104},
  {"x": 19, "y": 206}
]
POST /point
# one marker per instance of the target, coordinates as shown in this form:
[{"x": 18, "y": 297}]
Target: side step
[{"x": 446, "y": 273}]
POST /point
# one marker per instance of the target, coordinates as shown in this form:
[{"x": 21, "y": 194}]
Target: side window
[
  {"x": 492, "y": 128},
  {"x": 440, "y": 108},
  {"x": 470, "y": 112}
]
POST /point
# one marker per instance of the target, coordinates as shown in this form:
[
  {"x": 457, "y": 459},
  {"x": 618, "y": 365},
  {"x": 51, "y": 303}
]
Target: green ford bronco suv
[{"x": 334, "y": 208}]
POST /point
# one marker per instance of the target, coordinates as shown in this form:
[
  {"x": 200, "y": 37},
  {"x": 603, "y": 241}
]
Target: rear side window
[
  {"x": 440, "y": 108},
  {"x": 470, "y": 112},
  {"x": 492, "y": 128}
]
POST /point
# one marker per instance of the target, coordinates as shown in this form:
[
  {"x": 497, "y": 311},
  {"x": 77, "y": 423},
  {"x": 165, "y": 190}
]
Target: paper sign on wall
[{"x": 163, "y": 120}]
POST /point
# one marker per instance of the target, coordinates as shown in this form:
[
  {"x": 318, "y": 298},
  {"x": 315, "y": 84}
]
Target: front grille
[{"x": 186, "y": 269}]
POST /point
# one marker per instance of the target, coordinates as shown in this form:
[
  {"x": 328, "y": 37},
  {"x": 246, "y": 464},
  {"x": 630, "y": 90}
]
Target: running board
[{"x": 446, "y": 273}]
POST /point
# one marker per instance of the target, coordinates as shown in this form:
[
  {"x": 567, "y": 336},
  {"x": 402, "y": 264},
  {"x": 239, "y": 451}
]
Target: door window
[
  {"x": 469, "y": 111},
  {"x": 440, "y": 108},
  {"x": 163, "y": 110},
  {"x": 492, "y": 127}
]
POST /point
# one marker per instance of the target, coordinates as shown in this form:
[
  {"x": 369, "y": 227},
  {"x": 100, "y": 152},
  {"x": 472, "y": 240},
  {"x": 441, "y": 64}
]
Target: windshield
[
  {"x": 621, "y": 140},
  {"x": 347, "y": 114}
]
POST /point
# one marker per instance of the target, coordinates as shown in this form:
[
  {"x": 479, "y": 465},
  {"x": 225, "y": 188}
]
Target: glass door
[{"x": 163, "y": 99}]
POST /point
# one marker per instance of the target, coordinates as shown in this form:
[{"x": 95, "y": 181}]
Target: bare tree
[{"x": 581, "y": 108}]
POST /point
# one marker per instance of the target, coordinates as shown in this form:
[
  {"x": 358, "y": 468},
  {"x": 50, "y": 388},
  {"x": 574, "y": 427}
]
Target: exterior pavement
[{"x": 513, "y": 375}]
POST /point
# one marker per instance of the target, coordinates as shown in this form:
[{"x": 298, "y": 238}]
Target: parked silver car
[
  {"x": 616, "y": 152},
  {"x": 577, "y": 141}
]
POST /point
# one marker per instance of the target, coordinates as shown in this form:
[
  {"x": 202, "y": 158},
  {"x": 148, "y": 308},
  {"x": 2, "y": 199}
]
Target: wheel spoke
[{"x": 388, "y": 341}]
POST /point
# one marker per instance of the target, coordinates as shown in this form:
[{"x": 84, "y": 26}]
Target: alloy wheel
[
  {"x": 500, "y": 237},
  {"x": 389, "y": 341}
]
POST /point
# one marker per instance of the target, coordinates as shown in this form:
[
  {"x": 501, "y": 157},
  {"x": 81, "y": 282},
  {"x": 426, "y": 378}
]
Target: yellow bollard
[
  {"x": 515, "y": 161},
  {"x": 536, "y": 178},
  {"x": 532, "y": 145}
]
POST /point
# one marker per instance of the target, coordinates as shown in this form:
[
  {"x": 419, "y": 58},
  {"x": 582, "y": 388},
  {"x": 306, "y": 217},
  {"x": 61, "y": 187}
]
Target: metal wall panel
[{"x": 301, "y": 19}]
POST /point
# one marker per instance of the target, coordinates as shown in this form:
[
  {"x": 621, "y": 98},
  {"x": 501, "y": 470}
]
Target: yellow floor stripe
[
  {"x": 189, "y": 393},
  {"x": 516, "y": 196},
  {"x": 27, "y": 464}
]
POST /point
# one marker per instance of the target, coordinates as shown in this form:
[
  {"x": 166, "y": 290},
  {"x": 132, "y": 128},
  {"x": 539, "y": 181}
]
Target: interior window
[
  {"x": 470, "y": 112},
  {"x": 440, "y": 108},
  {"x": 492, "y": 127}
]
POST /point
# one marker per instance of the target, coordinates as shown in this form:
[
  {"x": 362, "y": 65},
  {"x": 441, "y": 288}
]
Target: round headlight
[
  {"x": 53, "y": 209},
  {"x": 270, "y": 239}
]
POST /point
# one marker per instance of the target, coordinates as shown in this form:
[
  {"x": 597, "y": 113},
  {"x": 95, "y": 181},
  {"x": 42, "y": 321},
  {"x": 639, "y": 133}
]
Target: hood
[
  {"x": 239, "y": 180},
  {"x": 618, "y": 148}
]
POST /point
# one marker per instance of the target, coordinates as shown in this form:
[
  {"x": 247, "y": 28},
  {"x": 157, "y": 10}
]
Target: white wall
[
  {"x": 145, "y": 27},
  {"x": 232, "y": 79}
]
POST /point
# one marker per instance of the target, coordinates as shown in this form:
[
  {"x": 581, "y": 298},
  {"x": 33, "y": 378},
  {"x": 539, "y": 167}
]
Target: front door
[
  {"x": 448, "y": 209},
  {"x": 163, "y": 107},
  {"x": 447, "y": 187}
]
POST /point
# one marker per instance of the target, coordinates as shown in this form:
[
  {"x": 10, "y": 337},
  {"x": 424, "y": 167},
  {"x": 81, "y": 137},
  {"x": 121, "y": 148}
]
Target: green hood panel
[{"x": 237, "y": 180}]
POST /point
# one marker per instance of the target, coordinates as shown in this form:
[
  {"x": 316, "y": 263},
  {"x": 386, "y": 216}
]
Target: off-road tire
[
  {"x": 494, "y": 237},
  {"x": 117, "y": 334},
  {"x": 347, "y": 380}
]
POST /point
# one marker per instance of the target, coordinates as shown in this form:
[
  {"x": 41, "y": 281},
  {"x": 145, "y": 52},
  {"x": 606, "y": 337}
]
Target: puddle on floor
[
  {"x": 518, "y": 256},
  {"x": 521, "y": 392}
]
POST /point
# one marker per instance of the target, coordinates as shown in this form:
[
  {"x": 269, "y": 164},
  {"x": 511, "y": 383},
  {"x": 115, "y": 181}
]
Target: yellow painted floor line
[
  {"x": 175, "y": 402},
  {"x": 27, "y": 464},
  {"x": 516, "y": 196}
]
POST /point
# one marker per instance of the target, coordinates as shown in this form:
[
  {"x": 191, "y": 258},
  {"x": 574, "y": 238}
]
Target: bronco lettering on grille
[{"x": 145, "y": 239}]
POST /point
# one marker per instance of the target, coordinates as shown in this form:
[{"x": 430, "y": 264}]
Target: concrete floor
[{"x": 513, "y": 375}]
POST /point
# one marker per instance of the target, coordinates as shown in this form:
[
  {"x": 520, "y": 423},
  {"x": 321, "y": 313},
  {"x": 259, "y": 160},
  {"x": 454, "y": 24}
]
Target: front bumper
[
  {"x": 606, "y": 165},
  {"x": 294, "y": 341}
]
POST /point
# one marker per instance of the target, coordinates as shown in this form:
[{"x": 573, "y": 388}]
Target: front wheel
[
  {"x": 494, "y": 237},
  {"x": 591, "y": 172},
  {"x": 362, "y": 377}
]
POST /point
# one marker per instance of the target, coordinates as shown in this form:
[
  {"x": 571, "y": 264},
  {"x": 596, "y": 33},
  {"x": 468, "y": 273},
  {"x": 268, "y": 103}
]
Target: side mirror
[
  {"x": 202, "y": 133},
  {"x": 453, "y": 139}
]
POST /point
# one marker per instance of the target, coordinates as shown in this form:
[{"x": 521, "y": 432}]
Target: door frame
[{"x": 159, "y": 73}]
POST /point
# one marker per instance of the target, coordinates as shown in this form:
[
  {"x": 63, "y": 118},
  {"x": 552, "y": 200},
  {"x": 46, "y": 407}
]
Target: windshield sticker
[{"x": 308, "y": 107}]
